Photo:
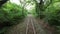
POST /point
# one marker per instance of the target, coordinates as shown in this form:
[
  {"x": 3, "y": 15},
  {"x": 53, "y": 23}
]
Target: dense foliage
[
  {"x": 10, "y": 14},
  {"x": 52, "y": 15},
  {"x": 49, "y": 11}
]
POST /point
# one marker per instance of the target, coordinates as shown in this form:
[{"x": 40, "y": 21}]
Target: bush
[
  {"x": 10, "y": 14},
  {"x": 52, "y": 14}
]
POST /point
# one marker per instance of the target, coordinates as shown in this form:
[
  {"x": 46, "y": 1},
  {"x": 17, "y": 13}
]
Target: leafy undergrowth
[
  {"x": 17, "y": 29},
  {"x": 10, "y": 14}
]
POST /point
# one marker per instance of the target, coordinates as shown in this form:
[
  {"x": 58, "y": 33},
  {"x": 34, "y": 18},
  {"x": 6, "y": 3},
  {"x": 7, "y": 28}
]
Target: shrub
[
  {"x": 52, "y": 14},
  {"x": 11, "y": 14}
]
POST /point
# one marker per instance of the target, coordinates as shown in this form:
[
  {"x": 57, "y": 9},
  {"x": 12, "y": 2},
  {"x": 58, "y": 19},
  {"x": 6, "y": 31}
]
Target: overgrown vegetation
[
  {"x": 49, "y": 11},
  {"x": 10, "y": 14},
  {"x": 52, "y": 14}
]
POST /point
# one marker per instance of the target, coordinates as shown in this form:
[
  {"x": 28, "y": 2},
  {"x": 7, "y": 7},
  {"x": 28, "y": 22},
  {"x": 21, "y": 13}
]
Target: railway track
[{"x": 30, "y": 27}]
